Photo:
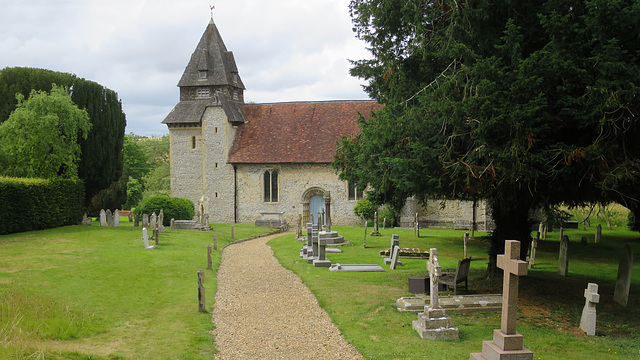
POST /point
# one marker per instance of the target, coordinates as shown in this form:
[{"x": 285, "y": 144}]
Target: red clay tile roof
[{"x": 303, "y": 132}]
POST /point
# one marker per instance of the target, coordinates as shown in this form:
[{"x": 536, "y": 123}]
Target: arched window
[
  {"x": 354, "y": 192},
  {"x": 193, "y": 142},
  {"x": 270, "y": 187}
]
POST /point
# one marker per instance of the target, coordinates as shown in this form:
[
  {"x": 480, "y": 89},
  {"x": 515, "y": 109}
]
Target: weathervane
[{"x": 212, "y": 7}]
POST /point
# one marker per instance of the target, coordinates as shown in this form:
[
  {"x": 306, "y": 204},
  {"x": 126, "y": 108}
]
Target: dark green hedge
[
  {"x": 176, "y": 208},
  {"x": 36, "y": 204}
]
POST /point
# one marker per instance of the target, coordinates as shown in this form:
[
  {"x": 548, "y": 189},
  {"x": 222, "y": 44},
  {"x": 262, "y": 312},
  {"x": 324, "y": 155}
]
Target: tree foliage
[
  {"x": 525, "y": 104},
  {"x": 101, "y": 160},
  {"x": 40, "y": 138}
]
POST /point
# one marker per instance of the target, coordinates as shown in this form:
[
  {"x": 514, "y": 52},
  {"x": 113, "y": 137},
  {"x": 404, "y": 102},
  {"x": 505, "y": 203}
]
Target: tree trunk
[{"x": 512, "y": 223}]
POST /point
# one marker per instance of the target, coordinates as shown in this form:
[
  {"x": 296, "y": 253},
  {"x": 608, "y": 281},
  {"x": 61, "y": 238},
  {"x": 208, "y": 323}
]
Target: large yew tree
[{"x": 523, "y": 103}]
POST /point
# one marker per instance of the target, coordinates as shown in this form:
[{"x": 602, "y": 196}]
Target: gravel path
[{"x": 263, "y": 311}]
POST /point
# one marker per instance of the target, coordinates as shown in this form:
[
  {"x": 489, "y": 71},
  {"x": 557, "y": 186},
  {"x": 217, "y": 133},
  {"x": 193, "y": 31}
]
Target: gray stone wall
[{"x": 186, "y": 162}]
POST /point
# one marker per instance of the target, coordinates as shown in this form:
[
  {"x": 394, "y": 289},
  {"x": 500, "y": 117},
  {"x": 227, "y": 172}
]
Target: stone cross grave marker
[
  {"x": 116, "y": 218},
  {"x": 145, "y": 220},
  {"x": 434, "y": 323},
  {"x": 109, "y": 218},
  {"x": 563, "y": 256},
  {"x": 321, "y": 260},
  {"x": 395, "y": 252},
  {"x": 598, "y": 234},
  {"x": 623, "y": 281},
  {"x": 507, "y": 344},
  {"x": 103, "y": 218},
  {"x": 375, "y": 231},
  {"x": 588, "y": 319},
  {"x": 327, "y": 206}
]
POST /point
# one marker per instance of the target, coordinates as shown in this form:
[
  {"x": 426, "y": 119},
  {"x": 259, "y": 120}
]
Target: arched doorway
[
  {"x": 313, "y": 202},
  {"x": 316, "y": 206}
]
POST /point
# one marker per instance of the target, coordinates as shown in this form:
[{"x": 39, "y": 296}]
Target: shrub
[
  {"x": 176, "y": 208},
  {"x": 365, "y": 208},
  {"x": 388, "y": 214}
]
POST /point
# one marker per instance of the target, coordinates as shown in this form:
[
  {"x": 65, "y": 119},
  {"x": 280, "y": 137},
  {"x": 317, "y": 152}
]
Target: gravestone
[
  {"x": 322, "y": 260},
  {"x": 598, "y": 234},
  {"x": 327, "y": 207},
  {"x": 623, "y": 281},
  {"x": 103, "y": 218},
  {"x": 136, "y": 220},
  {"x": 116, "y": 218},
  {"x": 563, "y": 256},
  {"x": 375, "y": 231},
  {"x": 299, "y": 227},
  {"x": 384, "y": 223},
  {"x": 86, "y": 220},
  {"x": 395, "y": 241},
  {"x": 434, "y": 323},
  {"x": 145, "y": 220},
  {"x": 588, "y": 319},
  {"x": 305, "y": 249},
  {"x": 161, "y": 221},
  {"x": 532, "y": 256},
  {"x": 465, "y": 239},
  {"x": 109, "y": 218},
  {"x": 355, "y": 267},
  {"x": 312, "y": 253},
  {"x": 417, "y": 226},
  {"x": 507, "y": 343},
  {"x": 364, "y": 242},
  {"x": 394, "y": 257},
  {"x": 173, "y": 222},
  {"x": 153, "y": 221},
  {"x": 130, "y": 216},
  {"x": 145, "y": 238}
]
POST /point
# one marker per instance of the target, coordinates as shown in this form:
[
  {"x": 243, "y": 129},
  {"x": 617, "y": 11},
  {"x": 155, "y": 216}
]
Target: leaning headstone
[
  {"x": 201, "y": 300},
  {"x": 103, "y": 218},
  {"x": 623, "y": 281},
  {"x": 563, "y": 256},
  {"x": 434, "y": 323},
  {"x": 375, "y": 231},
  {"x": 598, "y": 234},
  {"x": 507, "y": 343},
  {"x": 109, "y": 218},
  {"x": 145, "y": 220},
  {"x": 145, "y": 238},
  {"x": 86, "y": 220},
  {"x": 116, "y": 218},
  {"x": 364, "y": 242},
  {"x": 588, "y": 319},
  {"x": 394, "y": 257},
  {"x": 395, "y": 240}
]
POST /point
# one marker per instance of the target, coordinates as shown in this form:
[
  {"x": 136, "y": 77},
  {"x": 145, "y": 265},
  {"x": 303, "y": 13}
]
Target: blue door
[{"x": 316, "y": 205}]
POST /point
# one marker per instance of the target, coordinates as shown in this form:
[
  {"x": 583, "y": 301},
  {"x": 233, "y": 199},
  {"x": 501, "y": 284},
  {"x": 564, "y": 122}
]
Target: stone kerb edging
[{"x": 254, "y": 237}]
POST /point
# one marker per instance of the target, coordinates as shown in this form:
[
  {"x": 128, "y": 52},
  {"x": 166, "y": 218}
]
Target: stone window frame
[
  {"x": 203, "y": 93},
  {"x": 352, "y": 192},
  {"x": 270, "y": 188},
  {"x": 203, "y": 75}
]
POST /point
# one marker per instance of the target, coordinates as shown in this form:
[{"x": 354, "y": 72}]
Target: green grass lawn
[
  {"x": 82, "y": 292},
  {"x": 87, "y": 292},
  {"x": 361, "y": 304}
]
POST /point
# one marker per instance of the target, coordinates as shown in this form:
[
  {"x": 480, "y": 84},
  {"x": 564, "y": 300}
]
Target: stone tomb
[
  {"x": 433, "y": 323},
  {"x": 507, "y": 344},
  {"x": 103, "y": 218},
  {"x": 588, "y": 319},
  {"x": 623, "y": 281},
  {"x": 184, "y": 224},
  {"x": 273, "y": 219},
  {"x": 458, "y": 303}
]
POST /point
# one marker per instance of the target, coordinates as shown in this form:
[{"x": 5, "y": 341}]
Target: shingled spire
[{"x": 212, "y": 69}]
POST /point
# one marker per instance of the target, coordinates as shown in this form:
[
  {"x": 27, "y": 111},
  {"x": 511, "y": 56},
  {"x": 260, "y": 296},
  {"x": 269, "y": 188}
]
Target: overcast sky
[{"x": 286, "y": 50}]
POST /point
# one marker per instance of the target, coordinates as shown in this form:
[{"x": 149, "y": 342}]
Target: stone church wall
[{"x": 186, "y": 162}]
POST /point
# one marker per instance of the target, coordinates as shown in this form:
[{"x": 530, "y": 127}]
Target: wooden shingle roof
[{"x": 300, "y": 132}]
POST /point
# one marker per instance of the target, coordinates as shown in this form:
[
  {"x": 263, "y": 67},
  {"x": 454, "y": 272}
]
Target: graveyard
[{"x": 92, "y": 292}]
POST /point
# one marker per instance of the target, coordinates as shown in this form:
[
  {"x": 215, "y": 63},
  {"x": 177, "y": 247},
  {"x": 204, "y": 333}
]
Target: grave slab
[
  {"x": 356, "y": 267},
  {"x": 453, "y": 303}
]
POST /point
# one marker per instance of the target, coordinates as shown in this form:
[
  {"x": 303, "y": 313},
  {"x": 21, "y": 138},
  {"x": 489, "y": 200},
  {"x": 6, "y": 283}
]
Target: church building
[{"x": 241, "y": 162}]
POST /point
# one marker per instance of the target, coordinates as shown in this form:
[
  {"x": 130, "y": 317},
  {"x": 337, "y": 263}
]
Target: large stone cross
[
  {"x": 434, "y": 274},
  {"x": 513, "y": 267}
]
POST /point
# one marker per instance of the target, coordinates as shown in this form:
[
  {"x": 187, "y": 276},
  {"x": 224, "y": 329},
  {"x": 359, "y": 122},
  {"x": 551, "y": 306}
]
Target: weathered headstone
[
  {"x": 384, "y": 223},
  {"x": 153, "y": 221},
  {"x": 395, "y": 251},
  {"x": 416, "y": 225},
  {"x": 312, "y": 253},
  {"x": 209, "y": 261},
  {"x": 299, "y": 227},
  {"x": 532, "y": 256},
  {"x": 375, "y": 231},
  {"x": 563, "y": 256},
  {"x": 109, "y": 218},
  {"x": 156, "y": 233},
  {"x": 364, "y": 243},
  {"x": 130, "y": 216},
  {"x": 145, "y": 220},
  {"x": 598, "y": 234},
  {"x": 588, "y": 319},
  {"x": 623, "y": 281},
  {"x": 160, "y": 223},
  {"x": 136, "y": 220},
  {"x": 327, "y": 207},
  {"x": 507, "y": 343},
  {"x": 86, "y": 220},
  {"x": 434, "y": 323},
  {"x": 145, "y": 238},
  {"x": 116, "y": 218},
  {"x": 321, "y": 260},
  {"x": 395, "y": 240},
  {"x": 173, "y": 222},
  {"x": 465, "y": 239},
  {"x": 202, "y": 307}
]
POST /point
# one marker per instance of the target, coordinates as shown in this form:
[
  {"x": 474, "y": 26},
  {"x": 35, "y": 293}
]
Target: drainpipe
[{"x": 235, "y": 194}]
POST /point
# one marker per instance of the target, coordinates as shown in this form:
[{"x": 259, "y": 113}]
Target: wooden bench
[{"x": 453, "y": 278}]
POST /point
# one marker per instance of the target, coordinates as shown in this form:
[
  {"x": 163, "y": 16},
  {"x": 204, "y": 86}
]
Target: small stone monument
[
  {"x": 417, "y": 226},
  {"x": 507, "y": 344},
  {"x": 86, "y": 220},
  {"x": 116, "y": 218},
  {"x": 465, "y": 239},
  {"x": 153, "y": 220},
  {"x": 532, "y": 255},
  {"x": 215, "y": 242},
  {"x": 145, "y": 220},
  {"x": 299, "y": 227},
  {"x": 433, "y": 323},
  {"x": 145, "y": 238},
  {"x": 173, "y": 222},
  {"x": 161, "y": 221},
  {"x": 395, "y": 241},
  {"x": 598, "y": 234},
  {"x": 103, "y": 218},
  {"x": 130, "y": 216},
  {"x": 563, "y": 257},
  {"x": 623, "y": 281},
  {"x": 588, "y": 320},
  {"x": 136, "y": 220},
  {"x": 395, "y": 252},
  {"x": 375, "y": 231},
  {"x": 364, "y": 242},
  {"x": 327, "y": 207},
  {"x": 109, "y": 218},
  {"x": 312, "y": 253},
  {"x": 322, "y": 260}
]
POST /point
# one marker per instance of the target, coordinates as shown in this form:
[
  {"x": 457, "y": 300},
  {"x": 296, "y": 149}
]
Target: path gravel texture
[{"x": 263, "y": 311}]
